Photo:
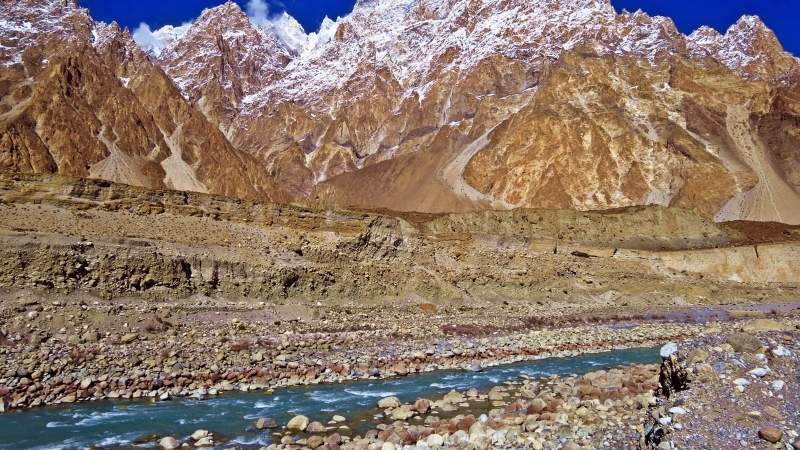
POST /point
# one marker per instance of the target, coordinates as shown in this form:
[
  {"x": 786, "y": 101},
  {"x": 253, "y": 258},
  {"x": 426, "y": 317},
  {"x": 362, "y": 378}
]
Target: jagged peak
[
  {"x": 228, "y": 12},
  {"x": 752, "y": 30},
  {"x": 290, "y": 32}
]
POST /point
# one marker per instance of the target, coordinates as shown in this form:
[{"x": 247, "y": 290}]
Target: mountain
[
  {"x": 460, "y": 105},
  {"x": 80, "y": 98}
]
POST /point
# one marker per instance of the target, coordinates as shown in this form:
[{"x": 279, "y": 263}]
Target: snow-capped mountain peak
[{"x": 290, "y": 32}]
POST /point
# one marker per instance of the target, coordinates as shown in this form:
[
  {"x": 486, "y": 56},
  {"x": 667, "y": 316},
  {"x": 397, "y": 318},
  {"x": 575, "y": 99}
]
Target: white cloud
[
  {"x": 144, "y": 36},
  {"x": 258, "y": 11},
  {"x": 155, "y": 41}
]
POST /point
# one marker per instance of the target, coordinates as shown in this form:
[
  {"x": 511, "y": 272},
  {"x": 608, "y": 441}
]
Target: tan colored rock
[
  {"x": 758, "y": 325},
  {"x": 770, "y": 434},
  {"x": 298, "y": 423}
]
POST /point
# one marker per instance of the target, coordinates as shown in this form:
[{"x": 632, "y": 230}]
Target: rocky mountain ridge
[{"x": 469, "y": 105}]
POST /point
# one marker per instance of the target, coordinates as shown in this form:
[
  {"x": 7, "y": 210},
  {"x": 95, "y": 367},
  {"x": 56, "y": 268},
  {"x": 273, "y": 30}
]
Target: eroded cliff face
[
  {"x": 119, "y": 240},
  {"x": 448, "y": 106},
  {"x": 82, "y": 99}
]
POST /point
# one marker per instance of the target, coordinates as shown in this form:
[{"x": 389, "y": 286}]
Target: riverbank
[
  {"x": 161, "y": 359},
  {"x": 192, "y": 350},
  {"x": 73, "y": 350},
  {"x": 741, "y": 392}
]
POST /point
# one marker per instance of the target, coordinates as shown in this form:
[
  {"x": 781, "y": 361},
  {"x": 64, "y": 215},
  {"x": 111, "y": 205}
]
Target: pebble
[
  {"x": 777, "y": 385},
  {"x": 677, "y": 410},
  {"x": 759, "y": 372}
]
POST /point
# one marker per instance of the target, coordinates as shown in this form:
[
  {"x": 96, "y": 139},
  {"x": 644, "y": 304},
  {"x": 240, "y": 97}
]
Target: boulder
[
  {"x": 168, "y": 443},
  {"x": 316, "y": 427},
  {"x": 265, "y": 423},
  {"x": 744, "y": 343},
  {"x": 770, "y": 434},
  {"x": 764, "y": 325},
  {"x": 200, "y": 434},
  {"x": 697, "y": 356},
  {"x": 403, "y": 413},
  {"x": 298, "y": 423},
  {"x": 669, "y": 350},
  {"x": 204, "y": 442},
  {"x": 315, "y": 442},
  {"x": 435, "y": 440},
  {"x": 422, "y": 406},
  {"x": 389, "y": 402},
  {"x": 128, "y": 338}
]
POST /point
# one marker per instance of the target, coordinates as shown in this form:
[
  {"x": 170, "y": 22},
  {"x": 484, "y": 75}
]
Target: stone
[
  {"x": 759, "y": 372},
  {"x": 537, "y": 405},
  {"x": 388, "y": 446},
  {"x": 204, "y": 442},
  {"x": 298, "y": 423},
  {"x": 669, "y": 350},
  {"x": 435, "y": 440},
  {"x": 4, "y": 407},
  {"x": 199, "y": 434},
  {"x": 265, "y": 423},
  {"x": 86, "y": 382},
  {"x": 796, "y": 444},
  {"x": 697, "y": 356},
  {"x": 770, "y": 434},
  {"x": 473, "y": 367},
  {"x": 338, "y": 418},
  {"x": 316, "y": 427},
  {"x": 571, "y": 446},
  {"x": 744, "y": 343},
  {"x": 422, "y": 406},
  {"x": 128, "y": 338},
  {"x": 403, "y": 413},
  {"x": 315, "y": 442},
  {"x": 777, "y": 385},
  {"x": 781, "y": 351},
  {"x": 764, "y": 325},
  {"x": 677, "y": 410},
  {"x": 389, "y": 402},
  {"x": 168, "y": 443},
  {"x": 453, "y": 397}
]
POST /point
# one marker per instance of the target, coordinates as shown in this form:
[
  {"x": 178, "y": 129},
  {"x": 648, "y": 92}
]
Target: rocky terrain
[
  {"x": 238, "y": 205},
  {"x": 112, "y": 291},
  {"x": 610, "y": 409},
  {"x": 424, "y": 106}
]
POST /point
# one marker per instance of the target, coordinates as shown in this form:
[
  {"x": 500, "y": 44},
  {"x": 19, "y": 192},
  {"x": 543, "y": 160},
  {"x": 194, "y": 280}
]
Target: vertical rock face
[
  {"x": 435, "y": 106},
  {"x": 82, "y": 99}
]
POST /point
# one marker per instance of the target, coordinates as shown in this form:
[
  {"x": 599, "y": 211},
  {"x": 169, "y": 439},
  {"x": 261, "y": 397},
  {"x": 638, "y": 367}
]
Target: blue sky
[{"x": 783, "y": 16}]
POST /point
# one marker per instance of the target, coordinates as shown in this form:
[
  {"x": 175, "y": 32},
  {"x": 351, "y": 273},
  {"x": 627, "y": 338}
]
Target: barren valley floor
[{"x": 114, "y": 292}]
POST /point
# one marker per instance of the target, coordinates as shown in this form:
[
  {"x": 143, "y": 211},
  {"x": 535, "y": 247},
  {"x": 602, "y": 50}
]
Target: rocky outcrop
[{"x": 69, "y": 234}]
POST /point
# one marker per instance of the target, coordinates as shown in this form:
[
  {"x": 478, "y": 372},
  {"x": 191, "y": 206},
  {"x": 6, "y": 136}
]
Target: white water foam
[{"x": 380, "y": 394}]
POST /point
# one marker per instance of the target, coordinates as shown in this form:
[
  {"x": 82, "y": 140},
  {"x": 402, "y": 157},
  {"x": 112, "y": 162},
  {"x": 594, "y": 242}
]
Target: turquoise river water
[{"x": 114, "y": 425}]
